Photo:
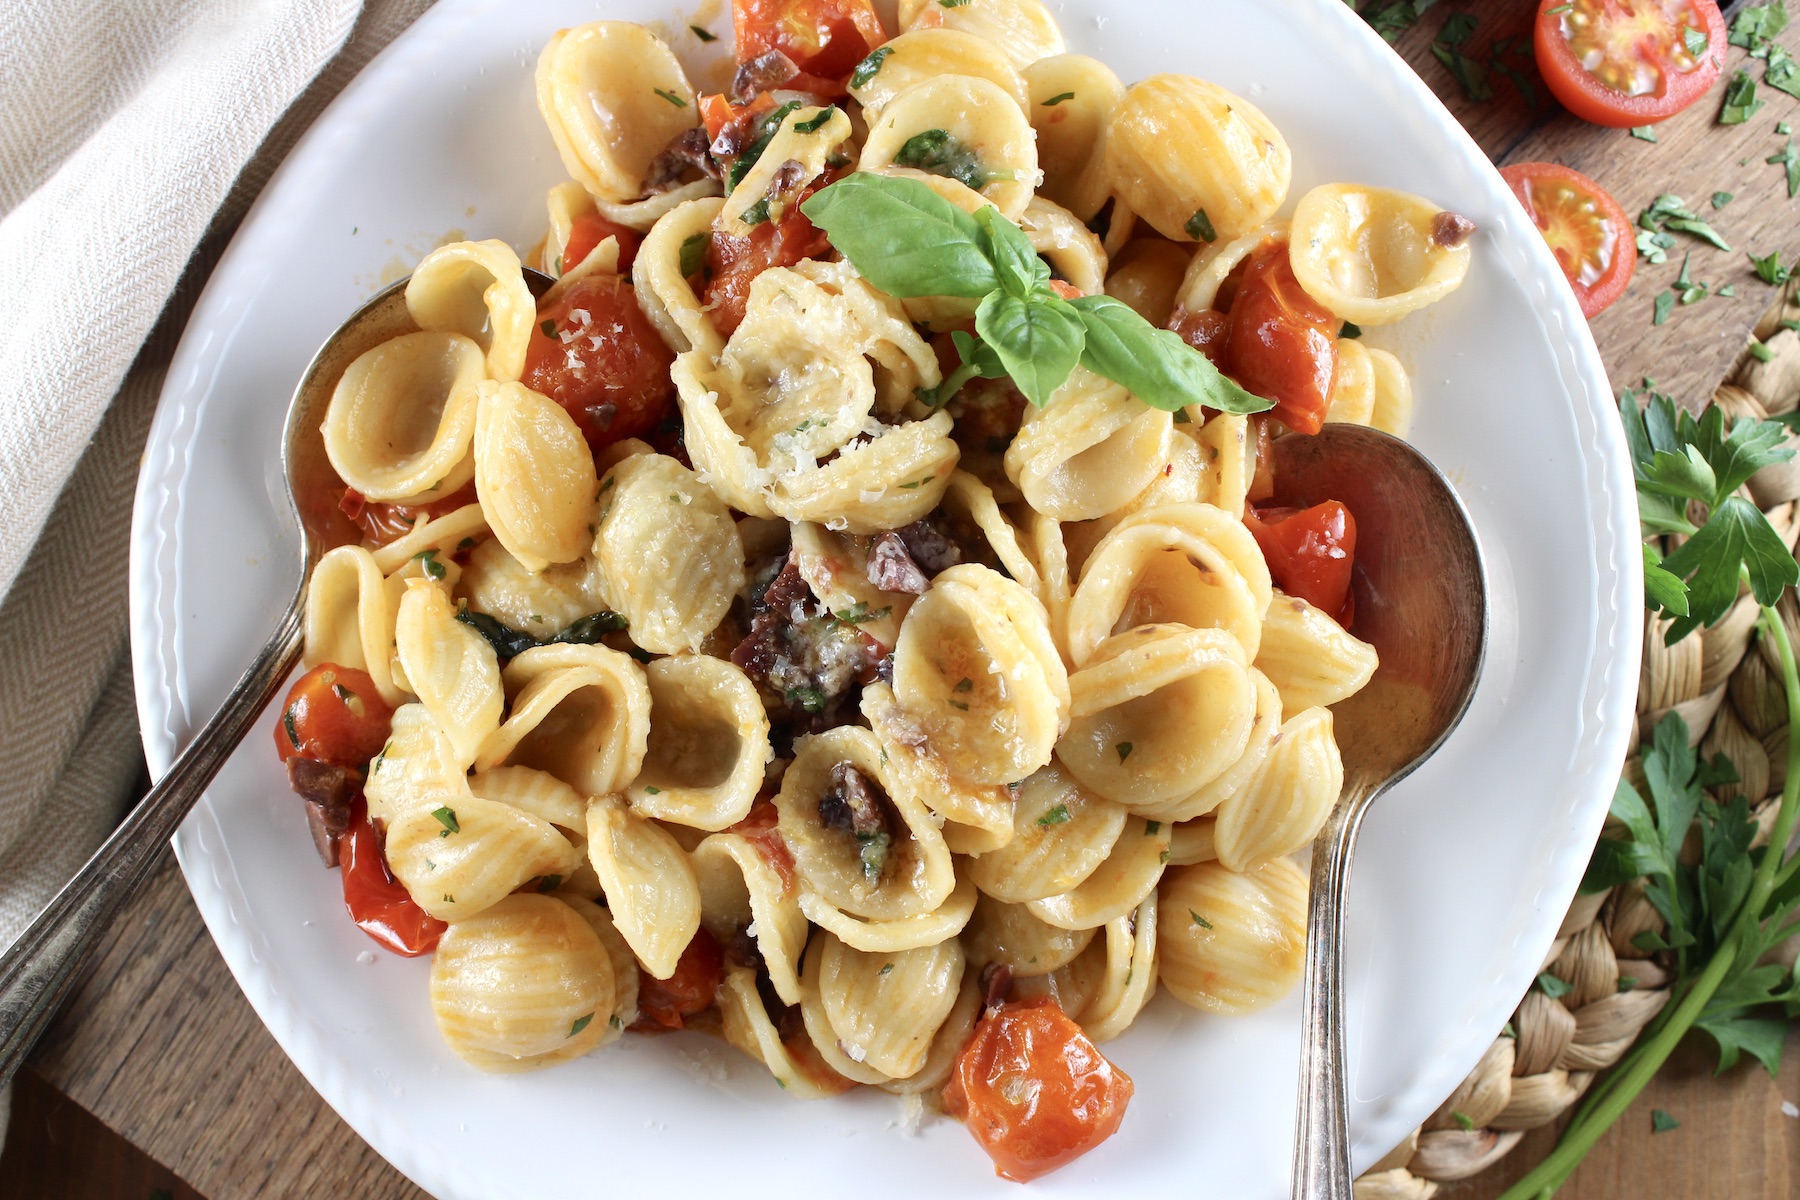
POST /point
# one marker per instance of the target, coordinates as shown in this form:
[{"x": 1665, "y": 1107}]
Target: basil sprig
[{"x": 909, "y": 241}]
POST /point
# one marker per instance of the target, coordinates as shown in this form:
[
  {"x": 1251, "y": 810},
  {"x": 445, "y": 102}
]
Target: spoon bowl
[
  {"x": 43, "y": 964},
  {"x": 1421, "y": 601}
]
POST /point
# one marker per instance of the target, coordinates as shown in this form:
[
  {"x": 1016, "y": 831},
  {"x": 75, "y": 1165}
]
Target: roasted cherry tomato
[
  {"x": 382, "y": 522},
  {"x": 824, "y": 38},
  {"x": 1283, "y": 343},
  {"x": 378, "y": 903},
  {"x": 1310, "y": 553},
  {"x": 589, "y": 230},
  {"x": 733, "y": 263},
  {"x": 336, "y": 715},
  {"x": 759, "y": 829},
  {"x": 603, "y": 361},
  {"x": 1629, "y": 62},
  {"x": 1588, "y": 232},
  {"x": 1208, "y": 331},
  {"x": 667, "y": 1003},
  {"x": 1034, "y": 1090}
]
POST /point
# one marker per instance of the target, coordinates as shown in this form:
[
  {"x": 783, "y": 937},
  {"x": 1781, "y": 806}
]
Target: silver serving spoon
[
  {"x": 42, "y": 966},
  {"x": 1421, "y": 601}
]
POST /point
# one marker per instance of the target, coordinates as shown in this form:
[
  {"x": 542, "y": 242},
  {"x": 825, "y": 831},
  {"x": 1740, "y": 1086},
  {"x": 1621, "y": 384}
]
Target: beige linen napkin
[{"x": 132, "y": 139}]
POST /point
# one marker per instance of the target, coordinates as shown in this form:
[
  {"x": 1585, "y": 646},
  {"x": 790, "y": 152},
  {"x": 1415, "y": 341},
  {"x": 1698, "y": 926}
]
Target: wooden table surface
[{"x": 158, "y": 1080}]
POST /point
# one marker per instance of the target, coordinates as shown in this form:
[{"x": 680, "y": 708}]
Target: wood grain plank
[
  {"x": 160, "y": 1045},
  {"x": 57, "y": 1150}
]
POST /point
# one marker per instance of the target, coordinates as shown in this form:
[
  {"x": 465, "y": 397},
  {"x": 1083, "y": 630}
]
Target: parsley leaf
[{"x": 1740, "y": 100}]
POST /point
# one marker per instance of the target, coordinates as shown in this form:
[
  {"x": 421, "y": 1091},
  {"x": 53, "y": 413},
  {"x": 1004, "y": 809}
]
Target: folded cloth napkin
[{"x": 132, "y": 139}]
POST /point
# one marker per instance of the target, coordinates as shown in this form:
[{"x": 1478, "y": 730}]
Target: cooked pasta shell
[
  {"x": 534, "y": 474},
  {"x": 450, "y": 667},
  {"x": 1130, "y": 978},
  {"x": 1393, "y": 394},
  {"x": 743, "y": 892},
  {"x": 1061, "y": 834},
  {"x": 624, "y": 965},
  {"x": 924, "y": 54},
  {"x": 650, "y": 885},
  {"x": 463, "y": 854},
  {"x": 1157, "y": 713},
  {"x": 1228, "y": 461},
  {"x": 1369, "y": 255},
  {"x": 977, "y": 670},
  {"x": 886, "y": 483},
  {"x": 614, "y": 96},
  {"x": 1010, "y": 935},
  {"x": 476, "y": 289},
  {"x": 1191, "y": 842},
  {"x": 1310, "y": 658},
  {"x": 1286, "y": 802},
  {"x": 1352, "y": 399},
  {"x": 902, "y": 359},
  {"x": 836, "y": 568},
  {"x": 1180, "y": 146},
  {"x": 1088, "y": 451},
  {"x": 709, "y": 742},
  {"x": 1187, "y": 564},
  {"x": 582, "y": 713},
  {"x": 1265, "y": 728},
  {"x": 669, "y": 554},
  {"x": 1023, "y": 29},
  {"x": 881, "y": 868},
  {"x": 899, "y": 933},
  {"x": 1071, "y": 103},
  {"x": 1069, "y": 246},
  {"x": 886, "y": 1008},
  {"x": 348, "y": 620},
  {"x": 1232, "y": 943},
  {"x": 459, "y": 529},
  {"x": 525, "y": 984},
  {"x": 747, "y": 1026},
  {"x": 536, "y": 792},
  {"x": 976, "y": 817},
  {"x": 417, "y": 768},
  {"x": 962, "y": 117},
  {"x": 541, "y": 603},
  {"x": 568, "y": 203},
  {"x": 1214, "y": 262},
  {"x": 663, "y": 290},
  {"x": 824, "y": 1039},
  {"x": 795, "y": 156},
  {"x": 1073, "y": 986},
  {"x": 1147, "y": 277},
  {"x": 402, "y": 416},
  {"x": 1117, "y": 885},
  {"x": 720, "y": 457},
  {"x": 946, "y": 1045}
]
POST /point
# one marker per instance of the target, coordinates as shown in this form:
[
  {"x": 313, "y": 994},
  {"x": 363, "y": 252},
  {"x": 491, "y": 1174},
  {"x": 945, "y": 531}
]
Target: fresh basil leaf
[
  {"x": 903, "y": 237},
  {"x": 939, "y": 152},
  {"x": 1153, "y": 364},
  {"x": 1021, "y": 271},
  {"x": 1039, "y": 340}
]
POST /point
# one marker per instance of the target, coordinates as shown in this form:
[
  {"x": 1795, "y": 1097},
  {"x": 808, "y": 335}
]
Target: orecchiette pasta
[
  {"x": 1372, "y": 255},
  {"x": 962, "y": 126},
  {"x": 609, "y": 92},
  {"x": 1232, "y": 943},
  {"x": 403, "y": 415}
]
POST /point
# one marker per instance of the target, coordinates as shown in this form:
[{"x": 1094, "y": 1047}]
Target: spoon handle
[
  {"x": 43, "y": 965},
  {"x": 1321, "y": 1130}
]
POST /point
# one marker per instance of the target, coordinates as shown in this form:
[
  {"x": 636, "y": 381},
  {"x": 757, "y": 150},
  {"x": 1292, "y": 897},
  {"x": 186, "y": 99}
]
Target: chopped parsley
[
  {"x": 1789, "y": 158},
  {"x": 1463, "y": 1121},
  {"x": 580, "y": 1024},
  {"x": 704, "y": 34},
  {"x": 885, "y": 969},
  {"x": 1124, "y": 750},
  {"x": 693, "y": 255},
  {"x": 766, "y": 127},
  {"x": 1740, "y": 100},
  {"x": 287, "y": 723},
  {"x": 860, "y": 612},
  {"x": 808, "y": 699},
  {"x": 1152, "y": 828},
  {"x": 1057, "y": 99},
  {"x": 817, "y": 123},
  {"x": 1395, "y": 18},
  {"x": 428, "y": 562},
  {"x": 1721, "y": 199},
  {"x": 872, "y": 851},
  {"x": 1054, "y": 816},
  {"x": 1350, "y": 331},
  {"x": 1665, "y": 304},
  {"x": 1200, "y": 227},
  {"x": 671, "y": 97},
  {"x": 1199, "y": 920},
  {"x": 866, "y": 69},
  {"x": 1662, "y": 1122},
  {"x": 549, "y": 327},
  {"x": 1769, "y": 269},
  {"x": 1644, "y": 133},
  {"x": 938, "y": 152},
  {"x": 446, "y": 816},
  {"x": 548, "y": 883},
  {"x": 1468, "y": 72},
  {"x": 758, "y": 213},
  {"x": 1553, "y": 987},
  {"x": 965, "y": 684}
]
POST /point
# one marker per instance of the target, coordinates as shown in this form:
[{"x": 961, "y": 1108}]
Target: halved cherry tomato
[
  {"x": 825, "y": 38},
  {"x": 1588, "y": 232},
  {"x": 717, "y": 113},
  {"x": 382, "y": 522},
  {"x": 336, "y": 715},
  {"x": 1310, "y": 553},
  {"x": 667, "y": 1003},
  {"x": 378, "y": 903},
  {"x": 605, "y": 364},
  {"x": 1629, "y": 62},
  {"x": 1034, "y": 1090},
  {"x": 733, "y": 263},
  {"x": 1283, "y": 343},
  {"x": 589, "y": 230}
]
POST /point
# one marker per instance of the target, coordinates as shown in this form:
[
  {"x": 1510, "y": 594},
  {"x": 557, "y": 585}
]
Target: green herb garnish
[
  {"x": 1200, "y": 227},
  {"x": 866, "y": 69},
  {"x": 1054, "y": 816},
  {"x": 671, "y": 97},
  {"x": 446, "y": 817},
  {"x": 1057, "y": 99}
]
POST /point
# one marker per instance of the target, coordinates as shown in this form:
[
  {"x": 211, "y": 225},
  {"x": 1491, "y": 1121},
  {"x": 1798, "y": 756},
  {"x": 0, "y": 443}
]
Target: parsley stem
[{"x": 1625, "y": 1081}]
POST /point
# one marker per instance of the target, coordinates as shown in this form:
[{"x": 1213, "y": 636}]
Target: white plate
[{"x": 1464, "y": 872}]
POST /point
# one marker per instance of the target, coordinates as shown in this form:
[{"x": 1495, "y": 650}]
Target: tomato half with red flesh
[
  {"x": 382, "y": 522},
  {"x": 595, "y": 353},
  {"x": 334, "y": 714},
  {"x": 824, "y": 38},
  {"x": 668, "y": 1003},
  {"x": 379, "y": 903},
  {"x": 1629, "y": 62},
  {"x": 1034, "y": 1091},
  {"x": 589, "y": 230},
  {"x": 1588, "y": 232},
  {"x": 1282, "y": 344},
  {"x": 733, "y": 263},
  {"x": 1310, "y": 553}
]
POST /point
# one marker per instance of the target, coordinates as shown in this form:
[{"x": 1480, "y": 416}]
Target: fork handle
[
  {"x": 1321, "y": 1129},
  {"x": 38, "y": 971}
]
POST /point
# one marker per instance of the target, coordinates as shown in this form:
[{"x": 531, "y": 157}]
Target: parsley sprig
[
  {"x": 1726, "y": 907},
  {"x": 910, "y": 242}
]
